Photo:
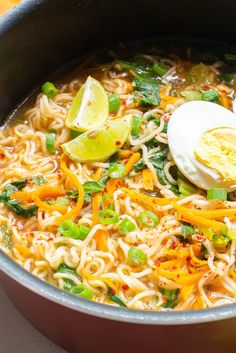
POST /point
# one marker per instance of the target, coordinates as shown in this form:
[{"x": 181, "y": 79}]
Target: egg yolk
[{"x": 216, "y": 149}]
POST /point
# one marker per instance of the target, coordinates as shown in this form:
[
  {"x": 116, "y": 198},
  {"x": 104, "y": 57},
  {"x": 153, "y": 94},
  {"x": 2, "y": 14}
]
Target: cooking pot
[{"x": 35, "y": 38}]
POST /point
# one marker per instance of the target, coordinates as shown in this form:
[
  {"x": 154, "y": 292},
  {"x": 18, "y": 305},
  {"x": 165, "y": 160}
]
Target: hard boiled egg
[{"x": 202, "y": 141}]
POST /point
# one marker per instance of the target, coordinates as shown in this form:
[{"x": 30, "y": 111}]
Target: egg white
[{"x": 187, "y": 124}]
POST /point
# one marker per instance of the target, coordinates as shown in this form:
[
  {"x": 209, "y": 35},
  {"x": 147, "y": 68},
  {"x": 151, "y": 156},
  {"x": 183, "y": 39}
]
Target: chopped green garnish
[
  {"x": 217, "y": 194},
  {"x": 116, "y": 170},
  {"x": 137, "y": 256},
  {"x": 137, "y": 120},
  {"x": 92, "y": 187},
  {"x": 70, "y": 230},
  {"x": 227, "y": 77},
  {"x": 126, "y": 226},
  {"x": 185, "y": 187},
  {"x": 187, "y": 230},
  {"x": 171, "y": 297},
  {"x": 61, "y": 201},
  {"x": 148, "y": 219},
  {"x": 50, "y": 143},
  {"x": 82, "y": 291},
  {"x": 68, "y": 283},
  {"x": 7, "y": 241},
  {"x": 146, "y": 90},
  {"x": 115, "y": 298},
  {"x": 107, "y": 202},
  {"x": 107, "y": 216},
  {"x": 39, "y": 180},
  {"x": 49, "y": 89},
  {"x": 210, "y": 96},
  {"x": 220, "y": 240},
  {"x": 192, "y": 95},
  {"x": 114, "y": 103},
  {"x": 160, "y": 69}
]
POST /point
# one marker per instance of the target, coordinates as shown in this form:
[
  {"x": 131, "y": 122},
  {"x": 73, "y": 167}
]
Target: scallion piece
[
  {"x": 136, "y": 126},
  {"x": 114, "y": 103},
  {"x": 116, "y": 170},
  {"x": 137, "y": 256},
  {"x": 217, "y": 194},
  {"x": 50, "y": 143},
  {"x": 107, "y": 216},
  {"x": 82, "y": 291},
  {"x": 126, "y": 226},
  {"x": 71, "y": 230},
  {"x": 107, "y": 202},
  {"x": 159, "y": 68},
  {"x": 220, "y": 240},
  {"x": 192, "y": 95},
  {"x": 115, "y": 298},
  {"x": 49, "y": 89},
  {"x": 148, "y": 219},
  {"x": 61, "y": 201}
]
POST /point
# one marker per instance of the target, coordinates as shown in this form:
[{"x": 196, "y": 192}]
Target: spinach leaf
[
  {"x": 68, "y": 283},
  {"x": 92, "y": 186},
  {"x": 24, "y": 212},
  {"x": 171, "y": 296},
  {"x": 146, "y": 90}
]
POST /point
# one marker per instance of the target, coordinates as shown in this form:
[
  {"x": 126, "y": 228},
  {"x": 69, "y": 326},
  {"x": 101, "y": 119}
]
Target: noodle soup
[{"x": 97, "y": 200}]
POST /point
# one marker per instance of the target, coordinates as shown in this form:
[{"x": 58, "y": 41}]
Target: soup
[{"x": 118, "y": 185}]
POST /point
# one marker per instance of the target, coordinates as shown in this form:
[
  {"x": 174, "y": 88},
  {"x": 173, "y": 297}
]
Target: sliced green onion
[
  {"x": 136, "y": 126},
  {"x": 50, "y": 143},
  {"x": 227, "y": 77},
  {"x": 126, "y": 226},
  {"x": 192, "y": 95},
  {"x": 82, "y": 291},
  {"x": 220, "y": 240},
  {"x": 210, "y": 96},
  {"x": 107, "y": 216},
  {"x": 61, "y": 201},
  {"x": 148, "y": 219},
  {"x": 71, "y": 230},
  {"x": 116, "y": 170},
  {"x": 187, "y": 230},
  {"x": 114, "y": 103},
  {"x": 137, "y": 256},
  {"x": 107, "y": 202},
  {"x": 49, "y": 89},
  {"x": 160, "y": 69},
  {"x": 217, "y": 194},
  {"x": 115, "y": 298},
  {"x": 92, "y": 186},
  {"x": 185, "y": 188}
]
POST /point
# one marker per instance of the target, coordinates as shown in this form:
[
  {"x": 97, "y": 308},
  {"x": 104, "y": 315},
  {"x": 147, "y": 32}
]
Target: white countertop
[{"x": 17, "y": 335}]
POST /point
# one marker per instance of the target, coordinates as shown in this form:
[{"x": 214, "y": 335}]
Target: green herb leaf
[
  {"x": 92, "y": 186},
  {"x": 7, "y": 241},
  {"x": 115, "y": 298},
  {"x": 146, "y": 90},
  {"x": 39, "y": 180},
  {"x": 171, "y": 296},
  {"x": 24, "y": 212}
]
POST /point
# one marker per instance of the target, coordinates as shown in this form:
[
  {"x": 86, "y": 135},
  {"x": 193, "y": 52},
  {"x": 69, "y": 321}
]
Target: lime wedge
[
  {"x": 97, "y": 145},
  {"x": 89, "y": 109}
]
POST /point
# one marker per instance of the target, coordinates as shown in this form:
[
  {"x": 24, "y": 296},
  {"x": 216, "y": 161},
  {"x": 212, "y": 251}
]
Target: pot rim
[{"x": 47, "y": 291}]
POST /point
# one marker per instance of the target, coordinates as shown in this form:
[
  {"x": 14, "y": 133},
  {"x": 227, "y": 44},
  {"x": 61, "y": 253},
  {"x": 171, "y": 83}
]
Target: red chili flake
[
  {"x": 188, "y": 258},
  {"x": 174, "y": 267},
  {"x": 26, "y": 180},
  {"x": 89, "y": 103},
  {"x": 112, "y": 292},
  {"x": 124, "y": 103},
  {"x": 157, "y": 262},
  {"x": 177, "y": 275},
  {"x": 2, "y": 155},
  {"x": 136, "y": 243},
  {"x": 118, "y": 143},
  {"x": 125, "y": 287}
]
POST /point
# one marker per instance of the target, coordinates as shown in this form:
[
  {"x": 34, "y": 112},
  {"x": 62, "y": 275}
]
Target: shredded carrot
[
  {"x": 101, "y": 239},
  {"x": 199, "y": 303},
  {"x": 75, "y": 211},
  {"x": 97, "y": 174},
  {"x": 96, "y": 206},
  {"x": 187, "y": 215},
  {"x": 107, "y": 281},
  {"x": 23, "y": 195},
  {"x": 48, "y": 192},
  {"x": 218, "y": 213},
  {"x": 187, "y": 291},
  {"x": 133, "y": 159},
  {"x": 23, "y": 250},
  {"x": 225, "y": 100},
  {"x": 194, "y": 260},
  {"x": 112, "y": 185},
  {"x": 232, "y": 274},
  {"x": 182, "y": 276},
  {"x": 125, "y": 154},
  {"x": 147, "y": 179}
]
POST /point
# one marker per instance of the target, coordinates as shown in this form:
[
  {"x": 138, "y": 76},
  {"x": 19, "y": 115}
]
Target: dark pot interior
[{"x": 40, "y": 36}]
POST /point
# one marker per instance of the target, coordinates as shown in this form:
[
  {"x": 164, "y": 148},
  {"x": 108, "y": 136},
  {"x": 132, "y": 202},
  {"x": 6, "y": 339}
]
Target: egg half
[{"x": 202, "y": 142}]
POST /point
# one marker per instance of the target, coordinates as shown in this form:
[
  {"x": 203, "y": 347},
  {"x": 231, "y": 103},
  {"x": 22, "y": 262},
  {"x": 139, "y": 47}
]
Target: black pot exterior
[{"x": 38, "y": 37}]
